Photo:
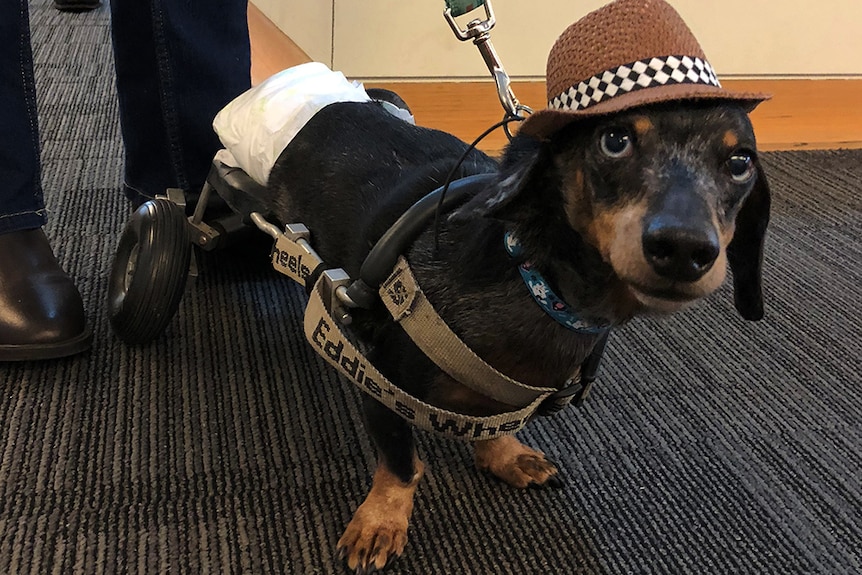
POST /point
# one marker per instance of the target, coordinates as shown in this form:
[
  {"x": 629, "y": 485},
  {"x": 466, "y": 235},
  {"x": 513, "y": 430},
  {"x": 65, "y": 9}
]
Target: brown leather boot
[{"x": 41, "y": 312}]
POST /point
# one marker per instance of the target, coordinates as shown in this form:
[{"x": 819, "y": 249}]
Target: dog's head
[
  {"x": 666, "y": 194},
  {"x": 649, "y": 163}
]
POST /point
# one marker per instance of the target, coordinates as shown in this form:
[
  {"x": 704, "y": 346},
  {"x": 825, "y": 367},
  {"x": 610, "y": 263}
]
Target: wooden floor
[{"x": 803, "y": 114}]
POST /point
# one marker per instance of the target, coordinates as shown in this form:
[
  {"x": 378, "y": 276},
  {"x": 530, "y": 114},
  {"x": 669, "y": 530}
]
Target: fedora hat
[{"x": 627, "y": 53}]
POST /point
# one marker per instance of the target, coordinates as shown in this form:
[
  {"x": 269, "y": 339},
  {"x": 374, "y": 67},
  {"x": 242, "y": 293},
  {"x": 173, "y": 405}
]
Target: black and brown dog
[
  {"x": 624, "y": 213},
  {"x": 634, "y": 213}
]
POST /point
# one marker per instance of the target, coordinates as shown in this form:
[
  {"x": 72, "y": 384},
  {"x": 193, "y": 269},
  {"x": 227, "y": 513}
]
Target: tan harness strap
[
  {"x": 294, "y": 258},
  {"x": 328, "y": 339},
  {"x": 409, "y": 307}
]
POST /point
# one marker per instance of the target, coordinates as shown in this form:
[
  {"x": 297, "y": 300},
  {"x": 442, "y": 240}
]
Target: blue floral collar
[{"x": 549, "y": 301}]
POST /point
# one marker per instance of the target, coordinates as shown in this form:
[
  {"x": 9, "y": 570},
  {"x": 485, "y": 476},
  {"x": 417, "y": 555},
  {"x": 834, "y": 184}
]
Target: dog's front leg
[
  {"x": 515, "y": 463},
  {"x": 378, "y": 530}
]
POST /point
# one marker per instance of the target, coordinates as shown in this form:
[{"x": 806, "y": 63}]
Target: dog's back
[{"x": 354, "y": 169}]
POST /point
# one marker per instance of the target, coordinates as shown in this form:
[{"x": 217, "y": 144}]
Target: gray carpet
[{"x": 710, "y": 445}]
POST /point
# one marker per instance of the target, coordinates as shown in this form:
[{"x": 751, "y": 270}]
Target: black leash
[{"x": 449, "y": 178}]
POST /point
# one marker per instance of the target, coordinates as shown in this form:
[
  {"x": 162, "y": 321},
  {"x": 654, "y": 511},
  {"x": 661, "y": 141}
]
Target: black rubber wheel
[{"x": 150, "y": 271}]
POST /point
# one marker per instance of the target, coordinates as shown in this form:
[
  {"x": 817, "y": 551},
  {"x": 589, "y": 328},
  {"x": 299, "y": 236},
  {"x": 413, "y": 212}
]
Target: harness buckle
[
  {"x": 578, "y": 392},
  {"x": 574, "y": 394}
]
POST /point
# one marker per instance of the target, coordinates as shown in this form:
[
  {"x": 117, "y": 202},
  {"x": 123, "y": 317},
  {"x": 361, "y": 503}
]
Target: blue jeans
[
  {"x": 178, "y": 63},
  {"x": 21, "y": 204}
]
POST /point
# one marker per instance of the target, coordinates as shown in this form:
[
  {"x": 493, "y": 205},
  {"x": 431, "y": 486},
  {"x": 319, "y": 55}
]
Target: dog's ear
[
  {"x": 523, "y": 161},
  {"x": 745, "y": 252}
]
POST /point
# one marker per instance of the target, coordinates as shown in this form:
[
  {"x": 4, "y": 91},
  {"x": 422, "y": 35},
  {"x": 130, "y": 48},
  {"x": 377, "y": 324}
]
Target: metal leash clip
[{"x": 479, "y": 31}]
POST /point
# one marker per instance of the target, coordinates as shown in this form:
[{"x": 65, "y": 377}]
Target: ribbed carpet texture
[{"x": 709, "y": 445}]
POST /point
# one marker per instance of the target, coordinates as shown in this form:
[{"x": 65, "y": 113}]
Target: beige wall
[
  {"x": 392, "y": 39},
  {"x": 307, "y": 22}
]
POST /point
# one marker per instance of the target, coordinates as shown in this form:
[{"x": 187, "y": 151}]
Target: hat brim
[{"x": 544, "y": 123}]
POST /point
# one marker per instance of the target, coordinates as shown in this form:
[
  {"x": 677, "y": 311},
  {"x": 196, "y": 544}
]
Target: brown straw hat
[{"x": 625, "y": 54}]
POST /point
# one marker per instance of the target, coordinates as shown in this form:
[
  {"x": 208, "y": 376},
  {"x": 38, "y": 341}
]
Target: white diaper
[{"x": 259, "y": 123}]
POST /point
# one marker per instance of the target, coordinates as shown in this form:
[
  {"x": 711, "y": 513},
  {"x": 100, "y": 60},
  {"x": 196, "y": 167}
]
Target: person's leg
[
  {"x": 21, "y": 204},
  {"x": 178, "y": 64},
  {"x": 41, "y": 313}
]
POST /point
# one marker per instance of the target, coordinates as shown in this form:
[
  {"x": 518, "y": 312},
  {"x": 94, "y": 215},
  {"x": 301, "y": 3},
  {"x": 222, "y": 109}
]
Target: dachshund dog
[{"x": 631, "y": 213}]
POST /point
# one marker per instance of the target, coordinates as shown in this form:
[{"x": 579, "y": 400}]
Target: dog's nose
[{"x": 678, "y": 251}]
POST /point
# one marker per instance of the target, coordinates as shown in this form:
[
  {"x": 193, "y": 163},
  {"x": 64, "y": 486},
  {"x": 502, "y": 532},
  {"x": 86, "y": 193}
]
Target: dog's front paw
[
  {"x": 372, "y": 538},
  {"x": 516, "y": 464},
  {"x": 378, "y": 531}
]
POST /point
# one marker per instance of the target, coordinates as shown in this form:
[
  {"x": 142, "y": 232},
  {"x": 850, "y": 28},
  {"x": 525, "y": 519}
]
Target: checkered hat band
[{"x": 635, "y": 76}]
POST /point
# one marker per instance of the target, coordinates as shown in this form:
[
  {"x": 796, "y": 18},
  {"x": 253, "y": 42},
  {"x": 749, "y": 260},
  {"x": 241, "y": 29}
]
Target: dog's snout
[{"x": 678, "y": 251}]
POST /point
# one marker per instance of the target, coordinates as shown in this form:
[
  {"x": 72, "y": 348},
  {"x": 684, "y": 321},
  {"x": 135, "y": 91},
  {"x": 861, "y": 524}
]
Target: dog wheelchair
[{"x": 155, "y": 257}]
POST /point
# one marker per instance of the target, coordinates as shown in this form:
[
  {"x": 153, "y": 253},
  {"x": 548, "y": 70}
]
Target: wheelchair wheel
[{"x": 149, "y": 272}]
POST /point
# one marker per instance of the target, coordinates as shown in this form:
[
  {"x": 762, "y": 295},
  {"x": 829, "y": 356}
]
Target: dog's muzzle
[
  {"x": 679, "y": 240},
  {"x": 677, "y": 251}
]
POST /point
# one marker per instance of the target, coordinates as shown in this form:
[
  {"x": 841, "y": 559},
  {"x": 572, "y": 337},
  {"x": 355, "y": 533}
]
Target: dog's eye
[
  {"x": 741, "y": 166},
  {"x": 616, "y": 143}
]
